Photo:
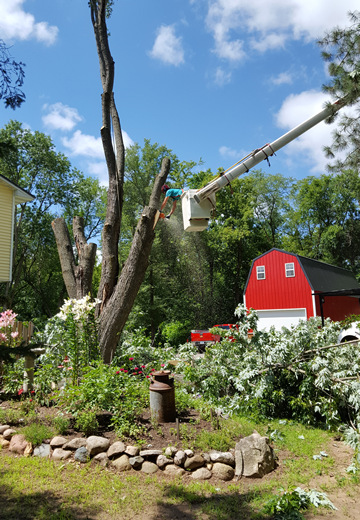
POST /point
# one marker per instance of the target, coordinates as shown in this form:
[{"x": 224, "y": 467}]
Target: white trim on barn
[{"x": 279, "y": 318}]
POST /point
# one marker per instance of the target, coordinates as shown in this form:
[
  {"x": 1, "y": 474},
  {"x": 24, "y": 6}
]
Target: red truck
[{"x": 201, "y": 338}]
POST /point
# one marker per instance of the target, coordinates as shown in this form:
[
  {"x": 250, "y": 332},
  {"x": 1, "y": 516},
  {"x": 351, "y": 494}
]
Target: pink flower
[
  {"x": 66, "y": 359},
  {"x": 60, "y": 366},
  {"x": 143, "y": 366},
  {"x": 140, "y": 372},
  {"x": 118, "y": 372},
  {"x": 3, "y": 337},
  {"x": 70, "y": 368},
  {"x": 14, "y": 334},
  {"x": 131, "y": 359},
  {"x": 126, "y": 371},
  {"x": 148, "y": 377},
  {"x": 163, "y": 365}
]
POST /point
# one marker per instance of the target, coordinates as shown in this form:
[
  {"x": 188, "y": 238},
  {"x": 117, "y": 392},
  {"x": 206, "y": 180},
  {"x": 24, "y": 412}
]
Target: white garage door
[{"x": 280, "y": 318}]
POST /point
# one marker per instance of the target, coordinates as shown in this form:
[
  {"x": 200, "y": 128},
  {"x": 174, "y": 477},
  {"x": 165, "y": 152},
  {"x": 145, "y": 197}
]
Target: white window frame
[
  {"x": 260, "y": 272},
  {"x": 290, "y": 270}
]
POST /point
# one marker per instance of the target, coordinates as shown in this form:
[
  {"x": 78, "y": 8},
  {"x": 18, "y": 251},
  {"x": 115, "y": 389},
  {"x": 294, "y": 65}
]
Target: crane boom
[{"x": 197, "y": 205}]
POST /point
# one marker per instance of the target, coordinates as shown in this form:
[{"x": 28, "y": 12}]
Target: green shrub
[
  {"x": 61, "y": 423},
  {"x": 36, "y": 433},
  {"x": 87, "y": 422}
]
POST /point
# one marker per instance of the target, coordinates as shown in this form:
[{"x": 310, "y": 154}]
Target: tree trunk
[
  {"x": 77, "y": 278},
  {"x": 115, "y": 159},
  {"x": 116, "y": 310}
]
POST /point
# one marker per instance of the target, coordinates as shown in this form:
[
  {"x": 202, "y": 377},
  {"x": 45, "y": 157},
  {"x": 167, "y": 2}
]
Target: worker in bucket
[{"x": 170, "y": 193}]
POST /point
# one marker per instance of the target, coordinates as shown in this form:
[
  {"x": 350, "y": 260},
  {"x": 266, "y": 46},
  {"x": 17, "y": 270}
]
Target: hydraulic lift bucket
[{"x": 196, "y": 216}]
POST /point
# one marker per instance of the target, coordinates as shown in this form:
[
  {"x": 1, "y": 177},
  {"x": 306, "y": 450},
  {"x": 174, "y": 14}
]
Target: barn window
[
  {"x": 290, "y": 270},
  {"x": 260, "y": 272}
]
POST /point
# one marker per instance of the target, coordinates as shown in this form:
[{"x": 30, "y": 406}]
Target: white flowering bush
[
  {"x": 300, "y": 373},
  {"x": 71, "y": 338}
]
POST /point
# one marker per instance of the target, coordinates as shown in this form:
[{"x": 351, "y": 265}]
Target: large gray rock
[
  {"x": 102, "y": 459},
  {"x": 170, "y": 451},
  {"x": 7, "y": 434},
  {"x": 225, "y": 457},
  {"x": 254, "y": 457},
  {"x": 116, "y": 450},
  {"x": 179, "y": 458},
  {"x": 149, "y": 467},
  {"x": 18, "y": 444},
  {"x": 148, "y": 454},
  {"x": 132, "y": 451},
  {"x": 75, "y": 444},
  {"x": 201, "y": 474},
  {"x": 223, "y": 471},
  {"x": 194, "y": 462},
  {"x": 136, "y": 461},
  {"x": 3, "y": 428},
  {"x": 57, "y": 442},
  {"x": 95, "y": 445},
  {"x": 122, "y": 463},
  {"x": 42, "y": 451},
  {"x": 82, "y": 454},
  {"x": 163, "y": 461},
  {"x": 174, "y": 471},
  {"x": 60, "y": 454}
]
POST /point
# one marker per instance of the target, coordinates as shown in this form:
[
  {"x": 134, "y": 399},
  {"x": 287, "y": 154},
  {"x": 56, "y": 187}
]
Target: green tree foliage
[
  {"x": 324, "y": 220},
  {"x": 342, "y": 51},
  {"x": 31, "y": 161}
]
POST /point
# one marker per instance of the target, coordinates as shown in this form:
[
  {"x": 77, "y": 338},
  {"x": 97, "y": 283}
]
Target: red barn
[{"x": 285, "y": 288}]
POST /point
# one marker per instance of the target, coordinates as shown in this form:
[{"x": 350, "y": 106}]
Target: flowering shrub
[
  {"x": 7, "y": 336},
  {"x": 298, "y": 373},
  {"x": 72, "y": 339}
]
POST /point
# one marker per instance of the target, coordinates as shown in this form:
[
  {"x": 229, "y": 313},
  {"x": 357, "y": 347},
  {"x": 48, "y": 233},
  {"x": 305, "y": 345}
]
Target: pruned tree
[{"x": 117, "y": 290}]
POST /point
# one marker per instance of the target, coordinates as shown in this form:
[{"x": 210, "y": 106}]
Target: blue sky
[{"x": 210, "y": 79}]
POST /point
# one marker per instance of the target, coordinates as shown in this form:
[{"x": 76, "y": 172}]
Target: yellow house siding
[{"x": 6, "y": 231}]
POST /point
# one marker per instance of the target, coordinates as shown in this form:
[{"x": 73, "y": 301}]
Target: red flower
[
  {"x": 118, "y": 372},
  {"x": 32, "y": 392},
  {"x": 30, "y": 400},
  {"x": 143, "y": 366},
  {"x": 140, "y": 372},
  {"x": 20, "y": 391},
  {"x": 131, "y": 359},
  {"x": 126, "y": 371},
  {"x": 148, "y": 377}
]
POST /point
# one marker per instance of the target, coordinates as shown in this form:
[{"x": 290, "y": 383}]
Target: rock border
[{"x": 252, "y": 456}]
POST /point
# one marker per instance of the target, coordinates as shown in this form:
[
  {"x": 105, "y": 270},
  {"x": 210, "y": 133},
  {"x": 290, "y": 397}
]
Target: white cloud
[
  {"x": 309, "y": 146},
  {"x": 60, "y": 117},
  {"x": 167, "y": 46},
  {"x": 127, "y": 139},
  {"x": 230, "y": 153},
  {"x": 15, "y": 23},
  {"x": 82, "y": 144},
  {"x": 284, "y": 78},
  {"x": 99, "y": 170},
  {"x": 271, "y": 24},
  {"x": 88, "y": 145},
  {"x": 221, "y": 77}
]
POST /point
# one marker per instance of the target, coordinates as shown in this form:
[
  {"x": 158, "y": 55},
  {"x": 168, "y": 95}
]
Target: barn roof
[
  {"x": 21, "y": 195},
  {"x": 321, "y": 276}
]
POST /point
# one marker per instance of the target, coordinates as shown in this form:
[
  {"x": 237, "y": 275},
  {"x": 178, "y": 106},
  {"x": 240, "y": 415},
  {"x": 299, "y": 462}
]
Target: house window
[
  {"x": 260, "y": 272},
  {"x": 290, "y": 270}
]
